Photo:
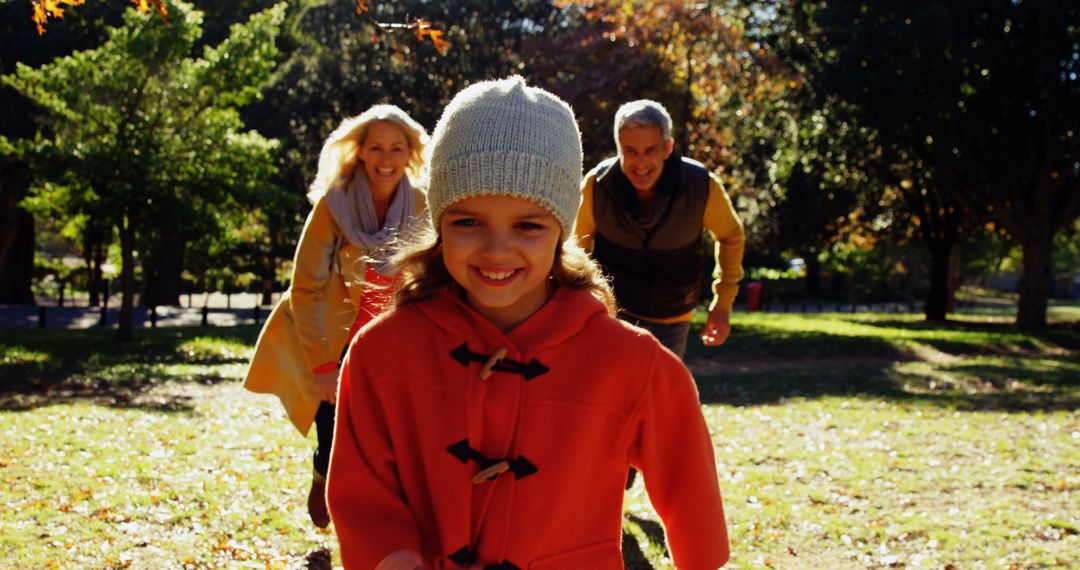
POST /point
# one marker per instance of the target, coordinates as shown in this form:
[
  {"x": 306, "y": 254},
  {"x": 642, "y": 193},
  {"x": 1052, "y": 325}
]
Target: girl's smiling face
[{"x": 500, "y": 249}]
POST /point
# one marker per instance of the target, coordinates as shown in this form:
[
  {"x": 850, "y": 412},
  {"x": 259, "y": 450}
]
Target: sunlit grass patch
[
  {"x": 215, "y": 349},
  {"x": 872, "y": 483},
  {"x": 15, "y": 355},
  {"x": 881, "y": 442},
  {"x": 209, "y": 487}
]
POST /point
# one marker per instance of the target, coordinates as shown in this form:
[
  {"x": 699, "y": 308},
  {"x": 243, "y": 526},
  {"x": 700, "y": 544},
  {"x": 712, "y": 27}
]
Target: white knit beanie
[{"x": 504, "y": 138}]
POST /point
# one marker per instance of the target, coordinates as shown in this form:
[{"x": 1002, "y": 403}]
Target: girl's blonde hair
[
  {"x": 340, "y": 151},
  {"x": 423, "y": 272}
]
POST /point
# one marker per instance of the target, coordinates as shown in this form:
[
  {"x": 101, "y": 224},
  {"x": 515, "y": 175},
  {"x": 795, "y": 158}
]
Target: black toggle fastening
[
  {"x": 520, "y": 466},
  {"x": 465, "y": 556},
  {"x": 529, "y": 370}
]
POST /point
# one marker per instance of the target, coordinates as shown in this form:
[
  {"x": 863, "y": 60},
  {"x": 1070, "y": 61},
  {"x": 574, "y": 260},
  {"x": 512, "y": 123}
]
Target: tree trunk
[
  {"x": 162, "y": 276},
  {"x": 954, "y": 277},
  {"x": 94, "y": 256},
  {"x": 266, "y": 286},
  {"x": 16, "y": 235},
  {"x": 813, "y": 274},
  {"x": 941, "y": 250},
  {"x": 126, "y": 326},
  {"x": 1035, "y": 279}
]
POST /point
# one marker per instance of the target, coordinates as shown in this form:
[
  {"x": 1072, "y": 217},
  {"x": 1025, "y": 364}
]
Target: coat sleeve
[
  {"x": 585, "y": 226},
  {"x": 312, "y": 268},
  {"x": 726, "y": 228},
  {"x": 363, "y": 490},
  {"x": 674, "y": 452}
]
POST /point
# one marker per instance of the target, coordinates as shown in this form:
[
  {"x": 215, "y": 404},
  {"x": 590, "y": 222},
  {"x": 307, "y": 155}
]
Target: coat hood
[{"x": 561, "y": 318}]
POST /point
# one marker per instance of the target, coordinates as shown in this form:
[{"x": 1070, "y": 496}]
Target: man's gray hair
[{"x": 643, "y": 113}]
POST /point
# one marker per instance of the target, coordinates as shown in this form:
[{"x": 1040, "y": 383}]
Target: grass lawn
[{"x": 843, "y": 441}]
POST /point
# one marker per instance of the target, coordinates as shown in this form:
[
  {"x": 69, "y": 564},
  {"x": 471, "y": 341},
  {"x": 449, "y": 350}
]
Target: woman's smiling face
[{"x": 385, "y": 154}]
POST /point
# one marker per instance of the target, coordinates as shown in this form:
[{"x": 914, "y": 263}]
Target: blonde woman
[{"x": 342, "y": 277}]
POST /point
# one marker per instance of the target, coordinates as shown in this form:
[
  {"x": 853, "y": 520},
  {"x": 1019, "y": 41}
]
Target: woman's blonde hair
[
  {"x": 339, "y": 153},
  {"x": 423, "y": 272}
]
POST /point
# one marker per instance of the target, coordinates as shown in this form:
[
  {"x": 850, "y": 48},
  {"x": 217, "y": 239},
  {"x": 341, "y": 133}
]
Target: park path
[{"x": 220, "y": 311}]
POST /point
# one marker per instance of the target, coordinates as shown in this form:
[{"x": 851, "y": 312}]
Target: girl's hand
[
  {"x": 326, "y": 385},
  {"x": 401, "y": 560}
]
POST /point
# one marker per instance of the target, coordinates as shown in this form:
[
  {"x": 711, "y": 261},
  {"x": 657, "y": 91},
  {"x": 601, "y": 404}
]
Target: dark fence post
[
  {"x": 153, "y": 316},
  {"x": 205, "y": 316},
  {"x": 104, "y": 321},
  {"x": 41, "y": 317},
  {"x": 255, "y": 312}
]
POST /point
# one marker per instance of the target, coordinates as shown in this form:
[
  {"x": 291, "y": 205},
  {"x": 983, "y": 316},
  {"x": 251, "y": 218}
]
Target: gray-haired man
[{"x": 643, "y": 217}]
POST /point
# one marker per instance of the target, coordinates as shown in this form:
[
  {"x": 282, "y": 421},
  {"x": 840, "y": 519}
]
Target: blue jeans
[{"x": 672, "y": 335}]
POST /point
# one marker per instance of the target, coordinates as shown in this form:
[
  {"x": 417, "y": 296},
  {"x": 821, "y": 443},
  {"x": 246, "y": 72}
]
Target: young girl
[
  {"x": 362, "y": 200},
  {"x": 488, "y": 420}
]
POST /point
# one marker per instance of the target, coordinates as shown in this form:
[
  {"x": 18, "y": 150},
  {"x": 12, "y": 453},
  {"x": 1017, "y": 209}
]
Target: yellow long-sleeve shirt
[{"x": 719, "y": 219}]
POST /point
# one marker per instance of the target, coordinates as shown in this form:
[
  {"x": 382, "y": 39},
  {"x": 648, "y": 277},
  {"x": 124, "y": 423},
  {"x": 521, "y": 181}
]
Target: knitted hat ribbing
[{"x": 504, "y": 138}]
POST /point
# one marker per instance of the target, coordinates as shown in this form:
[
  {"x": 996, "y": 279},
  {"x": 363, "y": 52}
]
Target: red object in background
[{"x": 754, "y": 293}]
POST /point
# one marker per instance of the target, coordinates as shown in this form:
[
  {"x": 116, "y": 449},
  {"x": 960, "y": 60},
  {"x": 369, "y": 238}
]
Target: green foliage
[
  {"x": 143, "y": 136},
  {"x": 769, "y": 273}
]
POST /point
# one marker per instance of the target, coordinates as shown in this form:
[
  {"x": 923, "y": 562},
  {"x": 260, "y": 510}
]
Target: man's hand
[
  {"x": 717, "y": 327},
  {"x": 326, "y": 385}
]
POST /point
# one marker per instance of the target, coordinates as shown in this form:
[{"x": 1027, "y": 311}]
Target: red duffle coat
[{"x": 579, "y": 397}]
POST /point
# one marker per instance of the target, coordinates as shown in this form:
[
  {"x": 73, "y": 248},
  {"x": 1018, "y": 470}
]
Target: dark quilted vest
[{"x": 655, "y": 262}]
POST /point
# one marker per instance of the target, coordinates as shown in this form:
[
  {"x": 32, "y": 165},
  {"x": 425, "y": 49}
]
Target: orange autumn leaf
[
  {"x": 45, "y": 9},
  {"x": 143, "y": 6},
  {"x": 361, "y": 6},
  {"x": 441, "y": 45},
  {"x": 424, "y": 29}
]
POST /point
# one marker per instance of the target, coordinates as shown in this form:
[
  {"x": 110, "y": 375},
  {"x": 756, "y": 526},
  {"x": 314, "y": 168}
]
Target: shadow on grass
[
  {"x": 1008, "y": 385},
  {"x": 961, "y": 364},
  {"x": 988, "y": 337},
  {"x": 47, "y": 367},
  {"x": 766, "y": 342}
]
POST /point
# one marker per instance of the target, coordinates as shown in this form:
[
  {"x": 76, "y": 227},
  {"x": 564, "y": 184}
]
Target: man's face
[{"x": 642, "y": 152}]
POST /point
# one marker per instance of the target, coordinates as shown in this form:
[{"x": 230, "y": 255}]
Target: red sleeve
[
  {"x": 363, "y": 490},
  {"x": 674, "y": 453}
]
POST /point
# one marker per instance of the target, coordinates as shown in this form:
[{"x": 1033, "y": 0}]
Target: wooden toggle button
[
  {"x": 498, "y": 355},
  {"x": 490, "y": 472}
]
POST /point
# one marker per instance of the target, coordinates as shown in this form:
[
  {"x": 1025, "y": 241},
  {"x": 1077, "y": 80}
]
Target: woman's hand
[{"x": 326, "y": 385}]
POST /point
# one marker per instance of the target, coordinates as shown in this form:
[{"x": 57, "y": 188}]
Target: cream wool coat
[{"x": 310, "y": 325}]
